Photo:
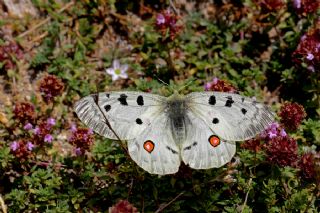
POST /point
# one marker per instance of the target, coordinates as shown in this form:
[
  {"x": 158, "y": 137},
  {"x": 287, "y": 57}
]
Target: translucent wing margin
[{"x": 232, "y": 117}]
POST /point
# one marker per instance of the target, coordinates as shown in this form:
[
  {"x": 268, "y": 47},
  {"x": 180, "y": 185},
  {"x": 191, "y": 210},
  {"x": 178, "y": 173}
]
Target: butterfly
[{"x": 199, "y": 129}]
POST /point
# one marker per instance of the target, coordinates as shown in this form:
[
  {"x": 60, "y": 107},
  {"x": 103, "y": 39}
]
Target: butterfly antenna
[
  {"x": 164, "y": 83},
  {"x": 186, "y": 85}
]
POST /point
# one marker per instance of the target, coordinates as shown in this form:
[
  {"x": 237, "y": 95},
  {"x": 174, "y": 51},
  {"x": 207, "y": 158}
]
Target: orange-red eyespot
[
  {"x": 214, "y": 140},
  {"x": 148, "y": 146}
]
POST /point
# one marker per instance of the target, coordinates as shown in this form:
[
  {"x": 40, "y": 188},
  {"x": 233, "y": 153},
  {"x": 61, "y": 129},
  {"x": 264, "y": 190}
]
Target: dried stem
[
  {"x": 3, "y": 205},
  {"x": 44, "y": 21},
  {"x": 170, "y": 202},
  {"x": 247, "y": 194}
]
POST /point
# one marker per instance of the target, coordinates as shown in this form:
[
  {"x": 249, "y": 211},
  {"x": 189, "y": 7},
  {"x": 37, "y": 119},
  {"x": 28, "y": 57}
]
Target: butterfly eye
[
  {"x": 148, "y": 146},
  {"x": 214, "y": 140}
]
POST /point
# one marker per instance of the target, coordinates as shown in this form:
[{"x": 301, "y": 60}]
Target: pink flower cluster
[
  {"x": 291, "y": 115},
  {"x": 166, "y": 22},
  {"x": 38, "y": 136},
  {"x": 220, "y": 86},
  {"x": 123, "y": 206},
  {"x": 22, "y": 149},
  {"x": 306, "y": 6},
  {"x": 281, "y": 149},
  {"x": 82, "y": 139},
  {"x": 308, "y": 51},
  {"x": 8, "y": 53}
]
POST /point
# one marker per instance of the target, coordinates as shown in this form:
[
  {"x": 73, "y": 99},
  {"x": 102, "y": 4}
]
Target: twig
[
  {"x": 173, "y": 7},
  {"x": 3, "y": 205},
  {"x": 171, "y": 201},
  {"x": 247, "y": 194},
  {"x": 44, "y": 21}
]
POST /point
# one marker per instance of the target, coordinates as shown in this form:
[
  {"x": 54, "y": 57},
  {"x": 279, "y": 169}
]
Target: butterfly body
[
  {"x": 176, "y": 108},
  {"x": 200, "y": 128}
]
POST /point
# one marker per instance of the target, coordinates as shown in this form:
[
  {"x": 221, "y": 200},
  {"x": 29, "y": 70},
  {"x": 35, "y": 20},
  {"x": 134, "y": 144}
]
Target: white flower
[{"x": 117, "y": 70}]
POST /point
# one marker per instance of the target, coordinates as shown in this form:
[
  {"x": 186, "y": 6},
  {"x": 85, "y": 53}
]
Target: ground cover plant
[{"x": 52, "y": 53}]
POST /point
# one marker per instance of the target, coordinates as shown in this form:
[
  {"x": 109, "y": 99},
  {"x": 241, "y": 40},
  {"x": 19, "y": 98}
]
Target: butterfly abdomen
[{"x": 176, "y": 110}]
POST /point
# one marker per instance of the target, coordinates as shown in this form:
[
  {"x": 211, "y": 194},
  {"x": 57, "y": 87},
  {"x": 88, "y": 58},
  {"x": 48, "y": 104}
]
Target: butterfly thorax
[{"x": 176, "y": 110}]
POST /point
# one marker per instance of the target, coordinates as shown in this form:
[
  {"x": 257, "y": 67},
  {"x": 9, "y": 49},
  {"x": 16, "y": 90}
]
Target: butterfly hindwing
[
  {"x": 154, "y": 148},
  {"x": 120, "y": 109},
  {"x": 203, "y": 148},
  {"x": 232, "y": 117}
]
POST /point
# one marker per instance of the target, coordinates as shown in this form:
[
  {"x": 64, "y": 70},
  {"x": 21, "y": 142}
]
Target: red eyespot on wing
[
  {"x": 214, "y": 140},
  {"x": 148, "y": 146}
]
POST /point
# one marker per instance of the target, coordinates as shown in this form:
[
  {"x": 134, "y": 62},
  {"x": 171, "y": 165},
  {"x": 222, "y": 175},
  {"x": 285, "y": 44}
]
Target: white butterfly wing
[
  {"x": 203, "y": 149},
  {"x": 232, "y": 117},
  {"x": 120, "y": 110},
  {"x": 154, "y": 148}
]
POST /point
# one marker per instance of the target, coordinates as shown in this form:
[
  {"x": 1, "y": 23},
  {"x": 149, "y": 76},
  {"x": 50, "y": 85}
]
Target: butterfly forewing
[
  {"x": 120, "y": 109},
  {"x": 231, "y": 116}
]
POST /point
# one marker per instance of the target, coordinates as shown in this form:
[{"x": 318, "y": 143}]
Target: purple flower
[
  {"x": 215, "y": 80},
  {"x": 48, "y": 138},
  {"x": 207, "y": 86},
  {"x": 160, "y": 19},
  {"x": 271, "y": 134},
  {"x": 36, "y": 130},
  {"x": 78, "y": 151},
  {"x": 274, "y": 125},
  {"x": 14, "y": 146},
  {"x": 28, "y": 126},
  {"x": 30, "y": 146},
  {"x": 51, "y": 121},
  {"x": 283, "y": 133},
  {"x": 274, "y": 130},
  {"x": 73, "y": 128},
  {"x": 310, "y": 56},
  {"x": 90, "y": 131},
  {"x": 297, "y": 4}
]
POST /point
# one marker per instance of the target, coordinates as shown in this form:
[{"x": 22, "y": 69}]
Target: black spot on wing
[
  {"x": 242, "y": 99},
  {"x": 139, "y": 121},
  {"x": 123, "y": 99},
  {"x": 107, "y": 107},
  {"x": 212, "y": 100},
  {"x": 229, "y": 102},
  {"x": 244, "y": 111},
  {"x": 107, "y": 95},
  {"x": 189, "y": 147},
  {"x": 215, "y": 121},
  {"x": 140, "y": 100},
  {"x": 172, "y": 150}
]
